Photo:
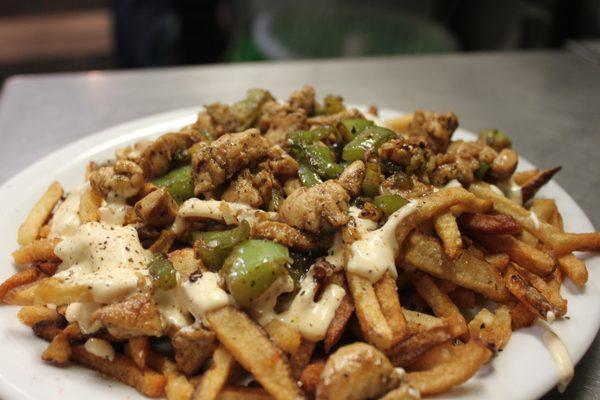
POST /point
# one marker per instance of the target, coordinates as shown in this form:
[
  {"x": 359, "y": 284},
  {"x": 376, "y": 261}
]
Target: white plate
[{"x": 524, "y": 370}]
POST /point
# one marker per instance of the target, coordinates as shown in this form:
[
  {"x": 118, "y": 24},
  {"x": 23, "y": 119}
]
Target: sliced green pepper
[
  {"x": 213, "y": 247},
  {"x": 308, "y": 176},
  {"x": 495, "y": 138},
  {"x": 162, "y": 272},
  {"x": 369, "y": 139},
  {"x": 308, "y": 137},
  {"x": 389, "y": 203},
  {"x": 179, "y": 183},
  {"x": 352, "y": 127},
  {"x": 252, "y": 267},
  {"x": 321, "y": 160},
  {"x": 372, "y": 180},
  {"x": 482, "y": 170}
]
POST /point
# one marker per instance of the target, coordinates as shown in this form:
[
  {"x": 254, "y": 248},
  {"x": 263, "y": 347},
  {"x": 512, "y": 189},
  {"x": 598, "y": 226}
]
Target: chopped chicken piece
[{"x": 157, "y": 208}]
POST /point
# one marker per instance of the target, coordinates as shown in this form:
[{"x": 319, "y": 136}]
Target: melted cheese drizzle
[
  {"x": 218, "y": 210},
  {"x": 534, "y": 219},
  {"x": 65, "y": 221},
  {"x": 376, "y": 252},
  {"x": 108, "y": 260},
  {"x": 100, "y": 348},
  {"x": 205, "y": 294},
  {"x": 170, "y": 304},
  {"x": 561, "y": 358},
  {"x": 113, "y": 213},
  {"x": 335, "y": 254},
  {"x": 511, "y": 190},
  {"x": 82, "y": 314}
]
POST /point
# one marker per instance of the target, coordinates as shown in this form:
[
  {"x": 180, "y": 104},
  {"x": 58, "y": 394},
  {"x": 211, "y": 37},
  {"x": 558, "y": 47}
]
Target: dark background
[{"x": 69, "y": 35}]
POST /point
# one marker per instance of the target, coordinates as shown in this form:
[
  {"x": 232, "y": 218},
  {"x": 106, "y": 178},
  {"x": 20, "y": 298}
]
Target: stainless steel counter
[{"x": 549, "y": 103}]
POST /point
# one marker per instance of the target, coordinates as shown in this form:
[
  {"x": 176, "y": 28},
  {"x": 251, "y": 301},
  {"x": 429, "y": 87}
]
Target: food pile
[{"x": 295, "y": 249}]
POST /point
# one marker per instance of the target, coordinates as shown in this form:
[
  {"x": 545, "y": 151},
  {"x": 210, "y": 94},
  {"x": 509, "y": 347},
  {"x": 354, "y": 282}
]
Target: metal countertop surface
[{"x": 548, "y": 102}]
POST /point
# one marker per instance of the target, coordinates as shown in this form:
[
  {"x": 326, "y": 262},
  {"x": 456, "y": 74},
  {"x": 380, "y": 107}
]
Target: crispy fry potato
[
  {"x": 549, "y": 287},
  {"x": 311, "y": 375},
  {"x": 30, "y": 229},
  {"x": 574, "y": 268},
  {"x": 20, "y": 278},
  {"x": 447, "y": 230},
  {"x": 489, "y": 223},
  {"x": 493, "y": 330},
  {"x": 407, "y": 351},
  {"x": 440, "y": 303},
  {"x": 301, "y": 358},
  {"x": 146, "y": 381},
  {"x": 44, "y": 231},
  {"x": 89, "y": 203},
  {"x": 35, "y": 251},
  {"x": 243, "y": 393},
  {"x": 470, "y": 271},
  {"x": 137, "y": 349},
  {"x": 521, "y": 253},
  {"x": 439, "y": 354},
  {"x": 523, "y": 176},
  {"x": 419, "y": 322},
  {"x": 283, "y": 336},
  {"x": 178, "y": 387},
  {"x": 530, "y": 187},
  {"x": 526, "y": 293},
  {"x": 192, "y": 347},
  {"x": 338, "y": 324},
  {"x": 216, "y": 376},
  {"x": 387, "y": 294},
  {"x": 48, "y": 268},
  {"x": 59, "y": 350},
  {"x": 373, "y": 325},
  {"x": 31, "y": 315},
  {"x": 403, "y": 392},
  {"x": 521, "y": 315},
  {"x": 499, "y": 261},
  {"x": 254, "y": 351},
  {"x": 469, "y": 358},
  {"x": 463, "y": 298},
  {"x": 54, "y": 291},
  {"x": 23, "y": 295}
]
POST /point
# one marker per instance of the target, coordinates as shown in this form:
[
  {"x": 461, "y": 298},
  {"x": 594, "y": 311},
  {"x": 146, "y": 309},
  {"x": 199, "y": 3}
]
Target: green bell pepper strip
[
  {"x": 322, "y": 162},
  {"x": 213, "y": 247},
  {"x": 372, "y": 180},
  {"x": 179, "y": 183},
  {"x": 252, "y": 267},
  {"x": 369, "y": 139},
  {"x": 308, "y": 176},
  {"x": 389, "y": 203},
  {"x": 349, "y": 128},
  {"x": 162, "y": 272},
  {"x": 308, "y": 137},
  {"x": 482, "y": 170}
]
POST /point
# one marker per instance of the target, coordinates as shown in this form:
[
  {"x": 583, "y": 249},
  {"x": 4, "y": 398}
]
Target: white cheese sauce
[
  {"x": 65, "y": 221},
  {"x": 534, "y": 219},
  {"x": 511, "y": 190},
  {"x": 335, "y": 254},
  {"x": 170, "y": 304},
  {"x": 205, "y": 294},
  {"x": 113, "y": 213},
  {"x": 561, "y": 358},
  {"x": 375, "y": 253},
  {"x": 82, "y": 314},
  {"x": 100, "y": 348},
  {"x": 108, "y": 260}
]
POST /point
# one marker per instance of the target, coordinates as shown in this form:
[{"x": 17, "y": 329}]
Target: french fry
[
  {"x": 89, "y": 203},
  {"x": 440, "y": 303},
  {"x": 137, "y": 349},
  {"x": 441, "y": 378},
  {"x": 387, "y": 294},
  {"x": 20, "y": 278},
  {"x": 338, "y": 324},
  {"x": 54, "y": 291},
  {"x": 36, "y": 251},
  {"x": 574, "y": 268},
  {"x": 499, "y": 261},
  {"x": 283, "y": 336},
  {"x": 310, "y": 377},
  {"x": 447, "y": 230},
  {"x": 493, "y": 330},
  {"x": 177, "y": 387},
  {"x": 523, "y": 176},
  {"x": 30, "y": 229},
  {"x": 23, "y": 295},
  {"x": 527, "y": 256},
  {"x": 164, "y": 242},
  {"x": 243, "y": 393},
  {"x": 216, "y": 376},
  {"x": 439, "y": 354},
  {"x": 425, "y": 253},
  {"x": 489, "y": 223},
  {"x": 59, "y": 350},
  {"x": 419, "y": 322},
  {"x": 407, "y": 351},
  {"x": 521, "y": 315},
  {"x": 549, "y": 287},
  {"x": 301, "y": 358},
  {"x": 31, "y": 315},
  {"x": 254, "y": 351},
  {"x": 525, "y": 292},
  {"x": 530, "y": 187},
  {"x": 463, "y": 298},
  {"x": 402, "y": 392},
  {"x": 48, "y": 268}
]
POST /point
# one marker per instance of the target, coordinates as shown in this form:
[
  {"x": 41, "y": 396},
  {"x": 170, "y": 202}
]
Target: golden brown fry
[
  {"x": 243, "y": 393},
  {"x": 254, "y": 351},
  {"x": 59, "y": 350},
  {"x": 523, "y": 176},
  {"x": 146, "y": 381},
  {"x": 447, "y": 230},
  {"x": 402, "y": 392},
  {"x": 137, "y": 349},
  {"x": 463, "y": 298},
  {"x": 526, "y": 293},
  {"x": 527, "y": 256},
  {"x": 469, "y": 358},
  {"x": 521, "y": 315},
  {"x": 387, "y": 294},
  {"x": 530, "y": 187},
  {"x": 489, "y": 223},
  {"x": 549, "y": 287},
  {"x": 89, "y": 203},
  {"x": 164, "y": 242},
  {"x": 54, "y": 291},
  {"x": 35, "y": 251},
  {"x": 373, "y": 325},
  {"x": 283, "y": 336},
  {"x": 407, "y": 351},
  {"x": 493, "y": 330},
  {"x": 439, "y": 354},
  {"x": 419, "y": 322},
  {"x": 301, "y": 358},
  {"x": 23, "y": 295},
  {"x": 310, "y": 377},
  {"x": 499, "y": 261},
  {"x": 48, "y": 268},
  {"x": 30, "y": 229},
  {"x": 178, "y": 387},
  {"x": 425, "y": 253},
  {"x": 574, "y": 268},
  {"x": 216, "y": 376},
  {"x": 440, "y": 303},
  {"x": 192, "y": 347},
  {"x": 338, "y": 324},
  {"x": 31, "y": 315},
  {"x": 18, "y": 279}
]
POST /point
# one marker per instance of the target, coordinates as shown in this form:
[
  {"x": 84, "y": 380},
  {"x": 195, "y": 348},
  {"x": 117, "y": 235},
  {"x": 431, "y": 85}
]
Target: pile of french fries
[{"x": 464, "y": 252}]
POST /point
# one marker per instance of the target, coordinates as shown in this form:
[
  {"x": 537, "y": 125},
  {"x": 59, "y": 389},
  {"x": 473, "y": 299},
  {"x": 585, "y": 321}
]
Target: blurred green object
[{"x": 344, "y": 30}]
